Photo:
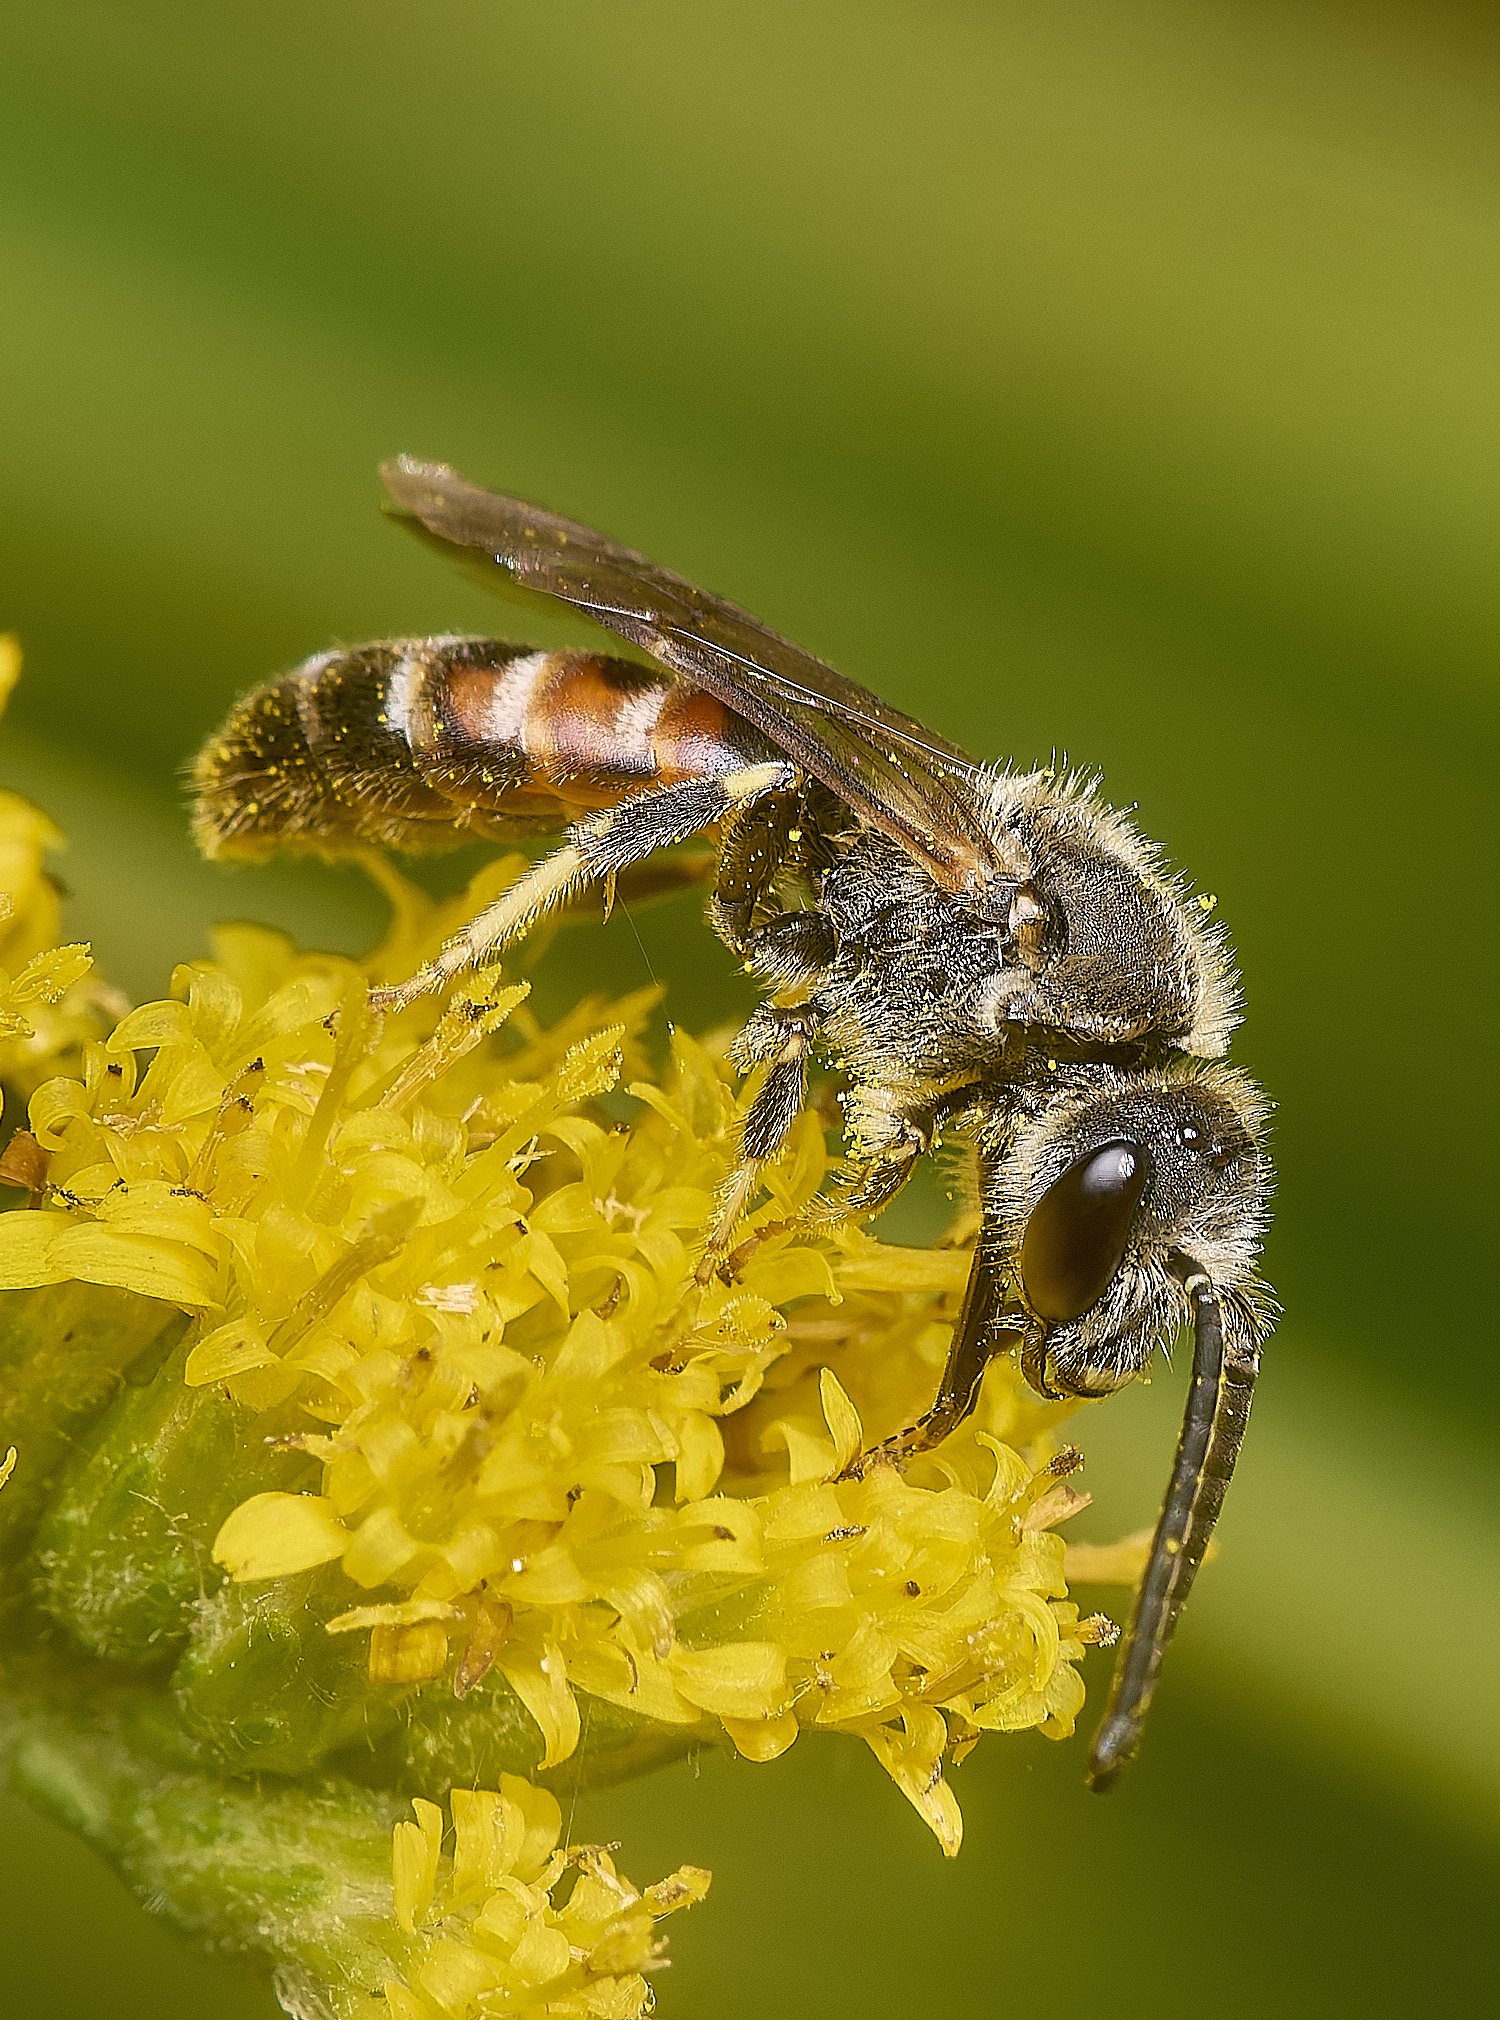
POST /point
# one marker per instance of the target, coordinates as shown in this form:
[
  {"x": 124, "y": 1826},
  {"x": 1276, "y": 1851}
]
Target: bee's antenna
[{"x": 1213, "y": 1428}]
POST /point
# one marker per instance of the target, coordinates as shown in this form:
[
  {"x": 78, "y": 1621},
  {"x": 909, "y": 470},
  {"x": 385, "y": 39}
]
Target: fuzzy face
[{"x": 1103, "y": 1190}]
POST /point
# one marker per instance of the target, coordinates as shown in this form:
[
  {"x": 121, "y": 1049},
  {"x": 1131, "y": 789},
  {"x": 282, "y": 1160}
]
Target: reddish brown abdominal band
[{"x": 590, "y": 730}]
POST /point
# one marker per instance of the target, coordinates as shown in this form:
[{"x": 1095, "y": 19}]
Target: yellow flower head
[
  {"x": 484, "y": 1932},
  {"x": 429, "y": 1257}
]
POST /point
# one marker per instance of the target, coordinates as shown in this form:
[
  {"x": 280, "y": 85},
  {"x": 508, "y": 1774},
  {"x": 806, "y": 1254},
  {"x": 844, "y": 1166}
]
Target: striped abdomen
[{"x": 420, "y": 742}]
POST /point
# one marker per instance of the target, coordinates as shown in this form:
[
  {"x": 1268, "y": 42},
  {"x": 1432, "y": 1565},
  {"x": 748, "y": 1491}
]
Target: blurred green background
[{"x": 1113, "y": 378}]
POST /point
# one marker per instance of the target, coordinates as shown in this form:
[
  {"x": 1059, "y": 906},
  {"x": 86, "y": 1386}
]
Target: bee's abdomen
[
  {"x": 415, "y": 743},
  {"x": 313, "y": 758}
]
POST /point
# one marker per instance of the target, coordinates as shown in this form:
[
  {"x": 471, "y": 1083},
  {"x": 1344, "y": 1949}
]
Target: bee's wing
[{"x": 913, "y": 786}]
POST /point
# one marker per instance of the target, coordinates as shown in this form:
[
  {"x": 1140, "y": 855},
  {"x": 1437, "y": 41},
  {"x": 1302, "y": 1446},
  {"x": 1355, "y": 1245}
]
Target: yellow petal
[
  {"x": 10, "y": 665},
  {"x": 593, "y": 1346},
  {"x": 865, "y": 1658},
  {"x": 154, "y": 1209},
  {"x": 26, "y": 1244},
  {"x": 455, "y": 1976},
  {"x": 489, "y": 1832},
  {"x": 818, "y": 1585},
  {"x": 569, "y": 1210},
  {"x": 94, "y": 1254},
  {"x": 541, "y": 1683},
  {"x": 797, "y": 1513},
  {"x": 551, "y": 1578},
  {"x": 762, "y": 1739},
  {"x": 541, "y": 1817},
  {"x": 639, "y": 1683},
  {"x": 1121, "y": 1563},
  {"x": 744, "y": 1680},
  {"x": 870, "y": 1265},
  {"x": 272, "y": 1535},
  {"x": 535, "y": 1253},
  {"x": 794, "y": 1273},
  {"x": 730, "y": 1533},
  {"x": 227, "y": 1351},
  {"x": 379, "y": 1548},
  {"x": 55, "y": 1104},
  {"x": 700, "y": 1455},
  {"x": 542, "y": 1953},
  {"x": 161, "y": 1023},
  {"x": 624, "y": 1438},
  {"x": 812, "y": 1458},
  {"x": 912, "y": 1760},
  {"x": 414, "y": 1862},
  {"x": 841, "y": 1418}
]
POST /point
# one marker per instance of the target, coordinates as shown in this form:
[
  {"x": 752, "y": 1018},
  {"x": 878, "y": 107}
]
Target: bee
[{"x": 992, "y": 955}]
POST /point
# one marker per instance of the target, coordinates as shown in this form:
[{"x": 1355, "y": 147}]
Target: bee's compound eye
[{"x": 1078, "y": 1230}]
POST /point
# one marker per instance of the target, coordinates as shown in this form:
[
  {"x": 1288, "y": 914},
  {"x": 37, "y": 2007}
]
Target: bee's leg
[
  {"x": 786, "y": 950},
  {"x": 899, "y": 1137},
  {"x": 887, "y": 1133},
  {"x": 646, "y": 882},
  {"x": 754, "y": 842},
  {"x": 596, "y": 850},
  {"x": 658, "y": 877},
  {"x": 988, "y": 1322},
  {"x": 778, "y": 1038},
  {"x": 880, "y": 1174},
  {"x": 792, "y": 951}
]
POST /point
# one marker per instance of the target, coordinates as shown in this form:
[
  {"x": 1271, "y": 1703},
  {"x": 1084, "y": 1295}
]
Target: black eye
[{"x": 1077, "y": 1233}]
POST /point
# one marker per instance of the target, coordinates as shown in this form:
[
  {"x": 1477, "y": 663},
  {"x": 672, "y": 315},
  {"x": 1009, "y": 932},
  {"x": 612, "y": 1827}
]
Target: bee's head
[
  {"x": 1100, "y": 1198},
  {"x": 1101, "y": 942}
]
